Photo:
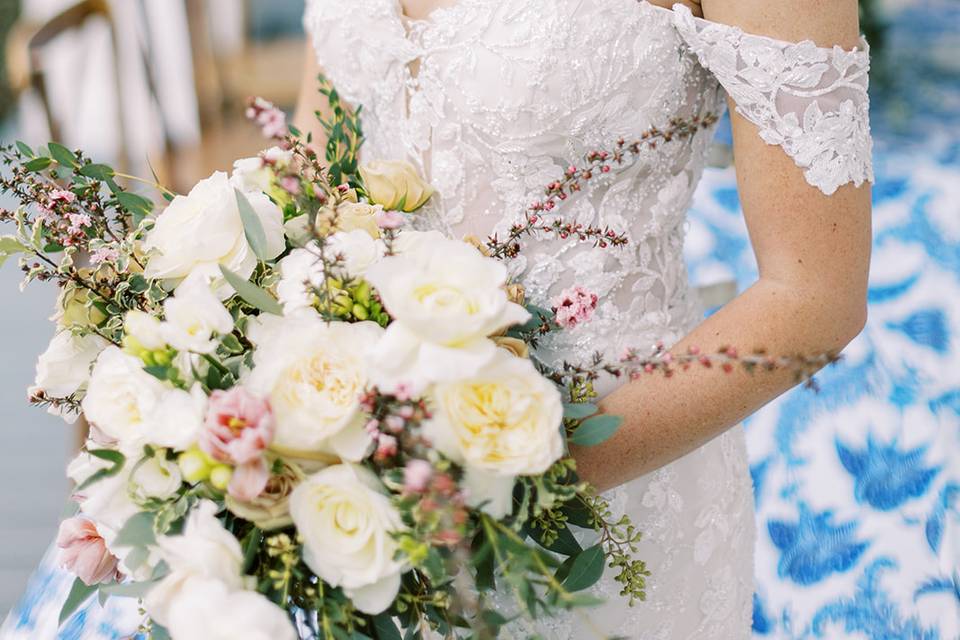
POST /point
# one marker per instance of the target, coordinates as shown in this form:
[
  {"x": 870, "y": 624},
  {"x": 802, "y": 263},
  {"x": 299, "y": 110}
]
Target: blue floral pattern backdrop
[{"x": 858, "y": 486}]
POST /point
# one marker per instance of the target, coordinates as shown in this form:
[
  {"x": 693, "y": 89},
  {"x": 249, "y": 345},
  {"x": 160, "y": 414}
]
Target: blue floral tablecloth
[{"x": 858, "y": 486}]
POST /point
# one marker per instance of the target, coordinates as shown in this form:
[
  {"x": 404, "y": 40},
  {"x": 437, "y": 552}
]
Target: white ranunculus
[
  {"x": 206, "y": 609},
  {"x": 193, "y": 316},
  {"x": 177, "y": 419},
  {"x": 501, "y": 422},
  {"x": 314, "y": 374},
  {"x": 204, "y": 229},
  {"x": 65, "y": 366},
  {"x": 358, "y": 250},
  {"x": 446, "y": 299},
  {"x": 204, "y": 550},
  {"x": 122, "y": 398},
  {"x": 145, "y": 329},
  {"x": 155, "y": 478},
  {"x": 347, "y": 521}
]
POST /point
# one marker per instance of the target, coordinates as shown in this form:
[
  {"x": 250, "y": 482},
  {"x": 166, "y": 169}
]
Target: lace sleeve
[{"x": 810, "y": 100}]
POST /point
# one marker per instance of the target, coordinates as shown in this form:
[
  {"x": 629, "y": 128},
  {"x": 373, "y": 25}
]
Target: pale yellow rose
[
  {"x": 74, "y": 309},
  {"x": 395, "y": 185}
]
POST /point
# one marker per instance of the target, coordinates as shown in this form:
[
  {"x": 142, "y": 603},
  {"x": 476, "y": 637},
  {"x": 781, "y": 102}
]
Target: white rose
[
  {"x": 204, "y": 229},
  {"x": 500, "y": 423},
  {"x": 177, "y": 418},
  {"x": 258, "y": 173},
  {"x": 155, "y": 478},
  {"x": 122, "y": 398},
  {"x": 204, "y": 550},
  {"x": 314, "y": 374},
  {"x": 193, "y": 315},
  {"x": 65, "y": 366},
  {"x": 447, "y": 299},
  {"x": 145, "y": 329},
  {"x": 207, "y": 609},
  {"x": 301, "y": 272},
  {"x": 347, "y": 522},
  {"x": 358, "y": 250}
]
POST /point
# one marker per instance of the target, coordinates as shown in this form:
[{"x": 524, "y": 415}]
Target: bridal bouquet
[{"x": 308, "y": 419}]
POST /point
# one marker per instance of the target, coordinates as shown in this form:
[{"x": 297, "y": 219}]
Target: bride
[{"x": 492, "y": 98}]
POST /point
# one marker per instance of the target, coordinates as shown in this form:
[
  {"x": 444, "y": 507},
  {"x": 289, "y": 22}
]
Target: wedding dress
[{"x": 492, "y": 100}]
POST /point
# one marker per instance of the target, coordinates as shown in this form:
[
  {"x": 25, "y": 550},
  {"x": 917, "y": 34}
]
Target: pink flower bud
[
  {"x": 239, "y": 426},
  {"x": 84, "y": 552},
  {"x": 395, "y": 424},
  {"x": 390, "y": 219},
  {"x": 416, "y": 476}
]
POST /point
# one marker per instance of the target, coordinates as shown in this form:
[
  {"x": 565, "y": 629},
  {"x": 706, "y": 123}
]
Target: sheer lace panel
[{"x": 810, "y": 100}]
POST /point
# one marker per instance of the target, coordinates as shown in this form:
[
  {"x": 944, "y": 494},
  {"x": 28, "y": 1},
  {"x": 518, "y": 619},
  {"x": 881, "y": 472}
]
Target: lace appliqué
[{"x": 810, "y": 100}]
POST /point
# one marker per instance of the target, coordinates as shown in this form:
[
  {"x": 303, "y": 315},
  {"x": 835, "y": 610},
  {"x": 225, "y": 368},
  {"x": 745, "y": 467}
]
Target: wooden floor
[{"x": 33, "y": 445}]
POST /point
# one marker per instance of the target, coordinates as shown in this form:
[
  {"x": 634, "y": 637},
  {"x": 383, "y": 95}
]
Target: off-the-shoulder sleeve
[{"x": 810, "y": 100}]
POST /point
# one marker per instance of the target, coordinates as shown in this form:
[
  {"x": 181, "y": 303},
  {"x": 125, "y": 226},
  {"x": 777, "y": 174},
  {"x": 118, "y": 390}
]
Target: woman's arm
[
  {"x": 813, "y": 253},
  {"x": 311, "y": 101}
]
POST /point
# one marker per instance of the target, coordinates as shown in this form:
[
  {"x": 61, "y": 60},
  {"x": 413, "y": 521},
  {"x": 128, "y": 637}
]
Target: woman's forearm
[{"x": 666, "y": 418}]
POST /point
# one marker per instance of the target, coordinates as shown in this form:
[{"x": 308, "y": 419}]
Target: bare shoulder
[
  {"x": 693, "y": 5},
  {"x": 826, "y": 22}
]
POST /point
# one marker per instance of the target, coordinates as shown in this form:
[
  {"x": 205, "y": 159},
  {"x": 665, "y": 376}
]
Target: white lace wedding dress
[{"x": 492, "y": 99}]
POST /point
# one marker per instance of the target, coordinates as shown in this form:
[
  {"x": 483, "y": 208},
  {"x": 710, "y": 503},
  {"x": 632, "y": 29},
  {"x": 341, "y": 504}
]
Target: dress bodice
[{"x": 493, "y": 99}]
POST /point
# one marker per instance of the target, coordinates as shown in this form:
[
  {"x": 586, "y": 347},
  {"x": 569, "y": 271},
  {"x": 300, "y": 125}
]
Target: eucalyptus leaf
[
  {"x": 116, "y": 460},
  {"x": 137, "y": 206},
  {"x": 251, "y": 293},
  {"x": 25, "y": 149},
  {"x": 97, "y": 171},
  {"x": 63, "y": 155},
  {"x": 79, "y": 593},
  {"x": 596, "y": 430},
  {"x": 585, "y": 570},
  {"x": 578, "y": 411},
  {"x": 252, "y": 226},
  {"x": 137, "y": 531},
  {"x": 159, "y": 633},
  {"x": 38, "y": 164},
  {"x": 128, "y": 589}
]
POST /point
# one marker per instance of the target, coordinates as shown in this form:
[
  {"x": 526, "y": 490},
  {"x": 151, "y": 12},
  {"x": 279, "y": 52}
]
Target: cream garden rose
[
  {"x": 500, "y": 423},
  {"x": 446, "y": 299},
  {"x": 347, "y": 522},
  {"x": 314, "y": 374},
  {"x": 395, "y": 185},
  {"x": 202, "y": 230},
  {"x": 65, "y": 366}
]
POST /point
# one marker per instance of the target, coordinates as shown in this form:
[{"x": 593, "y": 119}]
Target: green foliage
[
  {"x": 251, "y": 293},
  {"x": 116, "y": 460},
  {"x": 79, "y": 594},
  {"x": 344, "y": 137},
  {"x": 252, "y": 226},
  {"x": 596, "y": 430}
]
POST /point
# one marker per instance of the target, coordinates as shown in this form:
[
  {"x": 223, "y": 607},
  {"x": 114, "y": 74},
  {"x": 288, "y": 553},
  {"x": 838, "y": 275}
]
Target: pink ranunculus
[
  {"x": 574, "y": 306},
  {"x": 239, "y": 426},
  {"x": 84, "y": 552}
]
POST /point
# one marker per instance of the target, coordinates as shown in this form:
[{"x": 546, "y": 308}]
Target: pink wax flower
[
  {"x": 78, "y": 221},
  {"x": 62, "y": 195},
  {"x": 84, "y": 552},
  {"x": 104, "y": 255},
  {"x": 239, "y": 426},
  {"x": 416, "y": 476},
  {"x": 574, "y": 306}
]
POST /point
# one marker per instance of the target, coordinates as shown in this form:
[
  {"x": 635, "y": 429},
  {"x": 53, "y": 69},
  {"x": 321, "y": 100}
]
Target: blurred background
[{"x": 857, "y": 487}]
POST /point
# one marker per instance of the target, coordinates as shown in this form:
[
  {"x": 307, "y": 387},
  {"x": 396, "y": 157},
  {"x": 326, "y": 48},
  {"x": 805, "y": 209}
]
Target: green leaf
[
  {"x": 596, "y": 430},
  {"x": 116, "y": 460},
  {"x": 384, "y": 628},
  {"x": 63, "y": 155},
  {"x": 137, "y": 206},
  {"x": 25, "y": 149},
  {"x": 232, "y": 344},
  {"x": 128, "y": 589},
  {"x": 137, "y": 531},
  {"x": 38, "y": 164},
  {"x": 585, "y": 570},
  {"x": 578, "y": 411},
  {"x": 252, "y": 226},
  {"x": 159, "y": 633},
  {"x": 79, "y": 593},
  {"x": 97, "y": 171},
  {"x": 251, "y": 293},
  {"x": 578, "y": 513}
]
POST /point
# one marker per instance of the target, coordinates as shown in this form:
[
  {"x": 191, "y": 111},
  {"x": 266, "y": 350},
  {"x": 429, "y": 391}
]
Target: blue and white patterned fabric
[{"x": 857, "y": 486}]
